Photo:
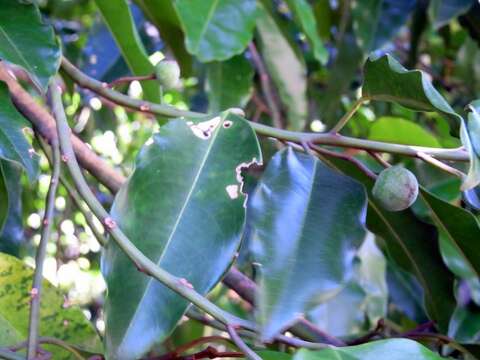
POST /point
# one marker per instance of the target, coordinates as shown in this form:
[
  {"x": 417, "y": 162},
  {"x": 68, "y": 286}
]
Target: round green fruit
[
  {"x": 396, "y": 188},
  {"x": 168, "y": 73}
]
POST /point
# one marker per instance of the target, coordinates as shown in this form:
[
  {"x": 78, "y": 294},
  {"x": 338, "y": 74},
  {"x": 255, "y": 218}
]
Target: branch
[
  {"x": 298, "y": 137},
  {"x": 345, "y": 118},
  {"x": 41, "y": 252},
  {"x": 139, "y": 259},
  {"x": 10, "y": 355},
  {"x": 51, "y": 341},
  {"x": 45, "y": 125},
  {"x": 129, "y": 79},
  {"x": 249, "y": 353}
]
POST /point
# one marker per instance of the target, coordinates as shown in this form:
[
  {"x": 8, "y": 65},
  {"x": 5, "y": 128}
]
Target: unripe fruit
[
  {"x": 168, "y": 73},
  {"x": 396, "y": 188}
]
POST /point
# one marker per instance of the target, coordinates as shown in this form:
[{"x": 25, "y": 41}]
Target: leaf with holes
[
  {"x": 56, "y": 320},
  {"x": 183, "y": 207},
  {"x": 13, "y": 144},
  {"x": 26, "y": 41},
  {"x": 216, "y": 29},
  {"x": 307, "y": 222}
]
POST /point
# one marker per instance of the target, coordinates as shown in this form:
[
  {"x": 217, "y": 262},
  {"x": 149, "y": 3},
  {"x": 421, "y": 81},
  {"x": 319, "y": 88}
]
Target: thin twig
[
  {"x": 129, "y": 79},
  {"x": 10, "y": 355},
  {"x": 51, "y": 341},
  {"x": 139, "y": 259},
  {"x": 458, "y": 154},
  {"x": 345, "y": 118},
  {"x": 41, "y": 253},
  {"x": 266, "y": 85},
  {"x": 442, "y": 338},
  {"x": 200, "y": 341},
  {"x": 378, "y": 158},
  {"x": 442, "y": 166},
  {"x": 249, "y": 353}
]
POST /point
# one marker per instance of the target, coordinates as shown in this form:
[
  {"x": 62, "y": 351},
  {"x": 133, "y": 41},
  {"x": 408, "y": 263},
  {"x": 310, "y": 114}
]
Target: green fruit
[
  {"x": 396, "y": 188},
  {"x": 168, "y": 73}
]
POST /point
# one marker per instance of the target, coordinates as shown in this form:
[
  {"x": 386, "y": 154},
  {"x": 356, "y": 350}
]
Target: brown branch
[
  {"x": 129, "y": 79},
  {"x": 45, "y": 125}
]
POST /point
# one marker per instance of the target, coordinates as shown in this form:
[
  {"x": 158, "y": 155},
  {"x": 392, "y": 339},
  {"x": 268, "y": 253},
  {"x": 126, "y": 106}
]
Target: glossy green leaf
[
  {"x": 377, "y": 21},
  {"x": 11, "y": 234},
  {"x": 459, "y": 232},
  {"x": 163, "y": 15},
  {"x": 229, "y": 83},
  {"x": 305, "y": 16},
  {"x": 184, "y": 209},
  {"x": 25, "y": 40},
  {"x": 443, "y": 11},
  {"x": 285, "y": 66},
  {"x": 216, "y": 29},
  {"x": 56, "y": 320},
  {"x": 13, "y": 144},
  {"x": 401, "y": 131},
  {"x": 118, "y": 18},
  {"x": 387, "y": 80},
  {"x": 307, "y": 222},
  {"x": 412, "y": 245},
  {"x": 392, "y": 349},
  {"x": 465, "y": 325},
  {"x": 470, "y": 136}
]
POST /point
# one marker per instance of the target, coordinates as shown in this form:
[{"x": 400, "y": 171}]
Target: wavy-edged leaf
[
  {"x": 305, "y": 16},
  {"x": 118, "y": 18},
  {"x": 412, "y": 245},
  {"x": 377, "y": 21},
  {"x": 13, "y": 144},
  {"x": 387, "y": 80},
  {"x": 229, "y": 83},
  {"x": 184, "y": 209},
  {"x": 216, "y": 29},
  {"x": 401, "y": 131},
  {"x": 26, "y": 41},
  {"x": 285, "y": 66},
  {"x": 163, "y": 15},
  {"x": 442, "y": 11},
  {"x": 307, "y": 222},
  {"x": 391, "y": 349},
  {"x": 470, "y": 136},
  {"x": 11, "y": 234},
  {"x": 56, "y": 320}
]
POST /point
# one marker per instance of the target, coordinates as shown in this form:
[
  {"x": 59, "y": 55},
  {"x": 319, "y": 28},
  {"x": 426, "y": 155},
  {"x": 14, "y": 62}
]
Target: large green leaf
[
  {"x": 377, "y": 21},
  {"x": 11, "y": 234},
  {"x": 401, "y": 131},
  {"x": 163, "y": 15},
  {"x": 216, "y": 29},
  {"x": 470, "y": 136},
  {"x": 305, "y": 16},
  {"x": 13, "y": 144},
  {"x": 56, "y": 320},
  {"x": 285, "y": 66},
  {"x": 387, "y": 80},
  {"x": 229, "y": 83},
  {"x": 26, "y": 41},
  {"x": 392, "y": 349},
  {"x": 184, "y": 209},
  {"x": 118, "y": 18},
  {"x": 412, "y": 245},
  {"x": 307, "y": 222}
]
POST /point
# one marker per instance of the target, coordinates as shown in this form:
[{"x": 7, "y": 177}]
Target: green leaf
[
  {"x": 184, "y": 209},
  {"x": 401, "y": 131},
  {"x": 306, "y": 226},
  {"x": 118, "y": 18},
  {"x": 377, "y": 21},
  {"x": 274, "y": 355},
  {"x": 229, "y": 83},
  {"x": 216, "y": 29},
  {"x": 305, "y": 16},
  {"x": 163, "y": 15},
  {"x": 392, "y": 349},
  {"x": 459, "y": 231},
  {"x": 11, "y": 235},
  {"x": 285, "y": 66},
  {"x": 470, "y": 136},
  {"x": 36, "y": 50},
  {"x": 387, "y": 80},
  {"x": 412, "y": 245},
  {"x": 465, "y": 325},
  {"x": 56, "y": 320},
  {"x": 442, "y": 11},
  {"x": 13, "y": 144}
]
